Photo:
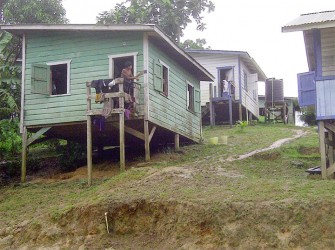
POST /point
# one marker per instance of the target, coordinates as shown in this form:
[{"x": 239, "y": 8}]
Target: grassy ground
[{"x": 199, "y": 174}]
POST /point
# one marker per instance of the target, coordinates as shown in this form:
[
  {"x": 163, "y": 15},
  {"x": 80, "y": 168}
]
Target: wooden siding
[
  {"x": 325, "y": 92},
  {"x": 88, "y": 53},
  {"x": 211, "y": 63},
  {"x": 171, "y": 111},
  {"x": 328, "y": 51},
  {"x": 248, "y": 100}
]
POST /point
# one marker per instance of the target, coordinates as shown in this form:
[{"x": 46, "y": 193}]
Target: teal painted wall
[
  {"x": 171, "y": 111},
  {"x": 88, "y": 52}
]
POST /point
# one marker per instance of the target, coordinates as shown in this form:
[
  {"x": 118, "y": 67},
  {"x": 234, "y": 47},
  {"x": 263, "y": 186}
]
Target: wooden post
[
  {"x": 330, "y": 147},
  {"x": 176, "y": 142},
  {"x": 121, "y": 129},
  {"x": 211, "y": 106},
  {"x": 240, "y": 117},
  {"x": 230, "y": 112},
  {"x": 89, "y": 135},
  {"x": 250, "y": 117},
  {"x": 89, "y": 150},
  {"x": 322, "y": 149},
  {"x": 24, "y": 154},
  {"x": 146, "y": 140}
]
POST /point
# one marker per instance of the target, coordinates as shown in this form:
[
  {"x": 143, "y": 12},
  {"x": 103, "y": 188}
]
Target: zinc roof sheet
[{"x": 322, "y": 19}]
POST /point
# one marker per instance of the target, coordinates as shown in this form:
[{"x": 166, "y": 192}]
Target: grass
[{"x": 271, "y": 176}]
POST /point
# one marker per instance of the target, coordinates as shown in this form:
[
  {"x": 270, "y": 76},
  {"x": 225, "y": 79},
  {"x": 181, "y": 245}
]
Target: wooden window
[
  {"x": 193, "y": 98},
  {"x": 161, "y": 77},
  {"x": 190, "y": 97},
  {"x": 245, "y": 80},
  {"x": 51, "y": 78}
]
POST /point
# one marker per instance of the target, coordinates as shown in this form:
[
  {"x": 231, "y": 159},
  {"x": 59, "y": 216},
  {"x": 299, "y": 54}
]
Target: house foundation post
[
  {"x": 322, "y": 149},
  {"x": 176, "y": 142},
  {"x": 24, "y": 154}
]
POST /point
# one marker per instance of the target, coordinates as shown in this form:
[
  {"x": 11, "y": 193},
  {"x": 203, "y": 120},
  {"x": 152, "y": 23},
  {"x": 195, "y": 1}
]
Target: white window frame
[
  {"x": 68, "y": 62},
  {"x": 168, "y": 83},
  {"x": 111, "y": 62}
]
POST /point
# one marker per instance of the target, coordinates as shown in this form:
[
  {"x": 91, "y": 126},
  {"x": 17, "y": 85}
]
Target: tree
[
  {"x": 33, "y": 11},
  {"x": 197, "y": 44},
  {"x": 172, "y": 16},
  {"x": 20, "y": 12}
]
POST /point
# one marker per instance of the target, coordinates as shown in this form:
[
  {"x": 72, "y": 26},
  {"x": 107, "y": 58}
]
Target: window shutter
[
  {"x": 40, "y": 79},
  {"x": 197, "y": 101},
  {"x": 158, "y": 76},
  {"x": 306, "y": 89}
]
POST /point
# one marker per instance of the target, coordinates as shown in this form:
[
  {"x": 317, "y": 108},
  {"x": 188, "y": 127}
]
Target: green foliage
[
  {"x": 34, "y": 11},
  {"x": 10, "y": 139},
  {"x": 10, "y": 91},
  {"x": 241, "y": 124},
  {"x": 197, "y": 44},
  {"x": 308, "y": 116},
  {"x": 171, "y": 16}
]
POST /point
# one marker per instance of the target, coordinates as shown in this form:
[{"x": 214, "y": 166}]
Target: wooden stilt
[
  {"x": 176, "y": 142},
  {"x": 146, "y": 140},
  {"x": 250, "y": 116},
  {"x": 240, "y": 117},
  {"x": 230, "y": 112},
  {"x": 24, "y": 154},
  {"x": 330, "y": 147},
  {"x": 121, "y": 129},
  {"x": 322, "y": 149},
  {"x": 89, "y": 136},
  {"x": 211, "y": 107},
  {"x": 89, "y": 150}
]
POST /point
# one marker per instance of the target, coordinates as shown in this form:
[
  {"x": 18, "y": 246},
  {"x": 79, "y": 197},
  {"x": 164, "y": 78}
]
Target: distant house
[
  {"x": 167, "y": 96},
  {"x": 317, "y": 87},
  {"x": 235, "y": 89}
]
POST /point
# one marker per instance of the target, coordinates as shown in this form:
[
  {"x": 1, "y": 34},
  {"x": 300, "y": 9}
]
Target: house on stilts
[
  {"x": 234, "y": 94},
  {"x": 317, "y": 87},
  {"x": 62, "y": 63}
]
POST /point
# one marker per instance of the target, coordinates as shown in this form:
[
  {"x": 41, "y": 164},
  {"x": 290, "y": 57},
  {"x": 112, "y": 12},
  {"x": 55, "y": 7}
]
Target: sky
[{"x": 253, "y": 26}]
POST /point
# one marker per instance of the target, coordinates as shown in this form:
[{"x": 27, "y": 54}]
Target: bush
[
  {"x": 308, "y": 116},
  {"x": 72, "y": 156},
  {"x": 10, "y": 139}
]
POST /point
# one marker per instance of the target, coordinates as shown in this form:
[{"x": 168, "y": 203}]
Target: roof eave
[
  {"x": 208, "y": 76},
  {"x": 308, "y": 26}
]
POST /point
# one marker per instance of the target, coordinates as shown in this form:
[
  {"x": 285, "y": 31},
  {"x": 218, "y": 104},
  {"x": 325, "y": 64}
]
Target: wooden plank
[
  {"x": 99, "y": 111},
  {"x": 329, "y": 126},
  {"x": 146, "y": 140},
  {"x": 322, "y": 149},
  {"x": 37, "y": 135},
  {"x": 24, "y": 155},
  {"x": 152, "y": 133},
  {"x": 110, "y": 95},
  {"x": 131, "y": 131}
]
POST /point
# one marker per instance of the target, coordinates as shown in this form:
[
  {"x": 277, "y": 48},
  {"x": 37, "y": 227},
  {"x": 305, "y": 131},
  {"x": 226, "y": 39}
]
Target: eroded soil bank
[{"x": 145, "y": 224}]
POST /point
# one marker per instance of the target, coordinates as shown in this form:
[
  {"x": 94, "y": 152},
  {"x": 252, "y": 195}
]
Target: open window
[
  {"x": 117, "y": 62},
  {"x": 193, "y": 100},
  {"x": 51, "y": 78},
  {"x": 161, "y": 77}
]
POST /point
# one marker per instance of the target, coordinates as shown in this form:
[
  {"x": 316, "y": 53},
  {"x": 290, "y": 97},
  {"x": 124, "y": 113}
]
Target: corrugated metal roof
[{"x": 324, "y": 19}]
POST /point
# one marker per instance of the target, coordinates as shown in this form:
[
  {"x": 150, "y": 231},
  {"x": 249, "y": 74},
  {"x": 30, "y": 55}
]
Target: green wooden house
[{"x": 167, "y": 95}]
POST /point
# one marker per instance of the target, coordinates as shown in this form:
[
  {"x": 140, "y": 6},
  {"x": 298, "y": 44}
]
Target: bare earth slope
[{"x": 235, "y": 196}]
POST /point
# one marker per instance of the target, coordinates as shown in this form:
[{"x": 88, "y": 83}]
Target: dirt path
[{"x": 276, "y": 144}]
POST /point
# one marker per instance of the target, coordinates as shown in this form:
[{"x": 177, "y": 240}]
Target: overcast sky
[{"x": 244, "y": 25}]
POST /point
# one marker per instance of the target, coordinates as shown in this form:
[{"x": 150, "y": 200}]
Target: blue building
[{"x": 317, "y": 87}]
